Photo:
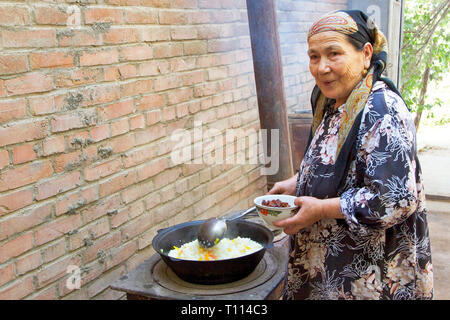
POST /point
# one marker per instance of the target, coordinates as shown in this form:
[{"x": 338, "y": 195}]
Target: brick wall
[
  {"x": 295, "y": 18},
  {"x": 90, "y": 94}
]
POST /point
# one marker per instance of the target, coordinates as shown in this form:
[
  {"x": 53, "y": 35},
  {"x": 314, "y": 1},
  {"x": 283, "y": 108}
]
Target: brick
[
  {"x": 221, "y": 45},
  {"x": 49, "y": 293},
  {"x": 120, "y": 254},
  {"x": 168, "y": 82},
  {"x": 21, "y": 222},
  {"x": 151, "y": 101},
  {"x": 56, "y": 229},
  {"x": 50, "y": 15},
  {"x": 28, "y": 262},
  {"x": 217, "y": 73},
  {"x": 18, "y": 289},
  {"x": 136, "y": 191},
  {"x": 180, "y": 95},
  {"x": 29, "y": 38},
  {"x": 102, "y": 170},
  {"x": 111, "y": 73},
  {"x": 119, "y": 127},
  {"x": 151, "y": 169},
  {"x": 195, "y": 47},
  {"x": 15, "y": 200},
  {"x": 100, "y": 132},
  {"x": 155, "y": 33},
  {"x": 29, "y": 83},
  {"x": 153, "y": 133},
  {"x": 52, "y": 145},
  {"x": 156, "y": 3},
  {"x": 101, "y": 208},
  {"x": 13, "y": 63},
  {"x": 199, "y": 17},
  {"x": 78, "y": 38},
  {"x": 193, "y": 77},
  {"x": 127, "y": 71},
  {"x": 24, "y": 153},
  {"x": 72, "y": 78},
  {"x": 12, "y": 109},
  {"x": 153, "y": 117},
  {"x": 74, "y": 202},
  {"x": 68, "y": 161},
  {"x": 121, "y": 35},
  {"x": 23, "y": 175},
  {"x": 97, "y": 15},
  {"x": 56, "y": 270},
  {"x": 41, "y": 105},
  {"x": 103, "y": 244},
  {"x": 54, "y": 251},
  {"x": 172, "y": 17},
  {"x": 99, "y": 285},
  {"x": 133, "y": 53},
  {"x": 117, "y": 183},
  {"x": 73, "y": 120},
  {"x": 4, "y": 158},
  {"x": 141, "y": 16},
  {"x": 153, "y": 68},
  {"x": 14, "y": 16},
  {"x": 137, "y": 122},
  {"x": 7, "y": 273},
  {"x": 100, "y": 94},
  {"x": 138, "y": 156},
  {"x": 119, "y": 218},
  {"x": 167, "y": 50},
  {"x": 122, "y": 143},
  {"x": 51, "y": 59},
  {"x": 88, "y": 233},
  {"x": 101, "y": 57},
  {"x": 116, "y": 110},
  {"x": 183, "y": 33},
  {"x": 16, "y": 247},
  {"x": 58, "y": 184},
  {"x": 136, "y": 87}
]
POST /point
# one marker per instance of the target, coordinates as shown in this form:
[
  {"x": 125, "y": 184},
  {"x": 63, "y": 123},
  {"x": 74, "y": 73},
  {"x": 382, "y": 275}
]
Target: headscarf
[{"x": 357, "y": 25}]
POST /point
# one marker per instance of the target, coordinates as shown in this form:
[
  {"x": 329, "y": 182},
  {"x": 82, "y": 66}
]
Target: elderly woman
[{"x": 361, "y": 231}]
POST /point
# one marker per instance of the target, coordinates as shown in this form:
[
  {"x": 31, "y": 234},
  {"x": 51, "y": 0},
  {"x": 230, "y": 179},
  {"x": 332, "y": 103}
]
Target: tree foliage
[{"x": 425, "y": 51}]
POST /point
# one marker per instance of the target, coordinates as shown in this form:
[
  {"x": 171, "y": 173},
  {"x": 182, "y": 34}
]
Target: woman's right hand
[{"x": 285, "y": 187}]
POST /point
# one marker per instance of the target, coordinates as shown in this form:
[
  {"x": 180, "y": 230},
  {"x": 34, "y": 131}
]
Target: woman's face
[{"x": 336, "y": 65}]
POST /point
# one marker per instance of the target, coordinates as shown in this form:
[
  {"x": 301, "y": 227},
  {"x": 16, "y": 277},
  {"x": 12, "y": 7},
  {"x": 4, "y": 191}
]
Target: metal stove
[{"x": 154, "y": 280}]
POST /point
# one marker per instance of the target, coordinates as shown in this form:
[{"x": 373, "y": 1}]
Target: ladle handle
[{"x": 233, "y": 215}]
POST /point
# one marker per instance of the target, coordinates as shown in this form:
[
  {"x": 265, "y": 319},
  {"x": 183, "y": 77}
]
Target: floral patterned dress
[{"x": 381, "y": 250}]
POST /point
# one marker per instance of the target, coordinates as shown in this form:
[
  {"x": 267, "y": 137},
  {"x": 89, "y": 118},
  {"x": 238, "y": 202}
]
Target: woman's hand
[
  {"x": 285, "y": 187},
  {"x": 311, "y": 210}
]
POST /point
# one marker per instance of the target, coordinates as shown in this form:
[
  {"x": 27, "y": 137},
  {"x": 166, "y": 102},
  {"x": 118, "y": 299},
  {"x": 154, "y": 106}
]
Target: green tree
[{"x": 425, "y": 51}]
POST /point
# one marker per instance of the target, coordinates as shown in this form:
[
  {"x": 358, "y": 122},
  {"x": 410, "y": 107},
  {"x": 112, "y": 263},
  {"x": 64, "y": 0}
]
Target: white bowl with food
[{"x": 275, "y": 207}]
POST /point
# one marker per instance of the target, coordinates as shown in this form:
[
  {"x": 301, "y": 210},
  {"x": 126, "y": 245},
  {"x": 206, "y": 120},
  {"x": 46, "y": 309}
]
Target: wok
[{"x": 215, "y": 271}]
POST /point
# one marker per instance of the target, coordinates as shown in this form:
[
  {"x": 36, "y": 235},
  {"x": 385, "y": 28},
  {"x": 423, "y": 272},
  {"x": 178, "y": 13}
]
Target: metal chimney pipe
[{"x": 267, "y": 64}]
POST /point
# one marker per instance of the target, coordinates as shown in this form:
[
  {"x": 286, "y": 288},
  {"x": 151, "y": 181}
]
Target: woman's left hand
[{"x": 311, "y": 210}]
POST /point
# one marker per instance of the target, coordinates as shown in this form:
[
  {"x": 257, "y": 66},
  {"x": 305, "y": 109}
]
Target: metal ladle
[{"x": 212, "y": 230}]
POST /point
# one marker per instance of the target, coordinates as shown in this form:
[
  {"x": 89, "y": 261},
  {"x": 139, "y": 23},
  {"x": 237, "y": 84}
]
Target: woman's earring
[{"x": 364, "y": 72}]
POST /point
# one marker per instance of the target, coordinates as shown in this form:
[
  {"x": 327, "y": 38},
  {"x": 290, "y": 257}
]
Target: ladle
[{"x": 212, "y": 230}]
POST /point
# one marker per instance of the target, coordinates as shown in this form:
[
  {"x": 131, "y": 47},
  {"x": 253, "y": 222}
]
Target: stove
[{"x": 154, "y": 280}]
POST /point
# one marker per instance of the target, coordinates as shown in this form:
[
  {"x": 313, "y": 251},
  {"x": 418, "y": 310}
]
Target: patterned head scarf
[{"x": 357, "y": 25}]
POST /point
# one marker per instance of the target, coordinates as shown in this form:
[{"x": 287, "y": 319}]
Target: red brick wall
[
  {"x": 90, "y": 93},
  {"x": 295, "y": 18}
]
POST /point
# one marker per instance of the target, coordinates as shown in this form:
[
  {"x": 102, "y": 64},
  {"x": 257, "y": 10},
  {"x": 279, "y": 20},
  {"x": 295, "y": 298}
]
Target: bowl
[{"x": 271, "y": 214}]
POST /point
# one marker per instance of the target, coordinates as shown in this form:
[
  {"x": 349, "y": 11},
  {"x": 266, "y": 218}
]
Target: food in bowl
[
  {"x": 274, "y": 203},
  {"x": 224, "y": 249},
  {"x": 269, "y": 214}
]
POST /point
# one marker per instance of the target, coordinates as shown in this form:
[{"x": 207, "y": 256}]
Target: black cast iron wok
[{"x": 217, "y": 271}]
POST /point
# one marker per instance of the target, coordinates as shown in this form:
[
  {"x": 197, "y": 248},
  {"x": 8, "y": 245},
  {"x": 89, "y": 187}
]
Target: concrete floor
[
  {"x": 434, "y": 157},
  {"x": 439, "y": 226}
]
